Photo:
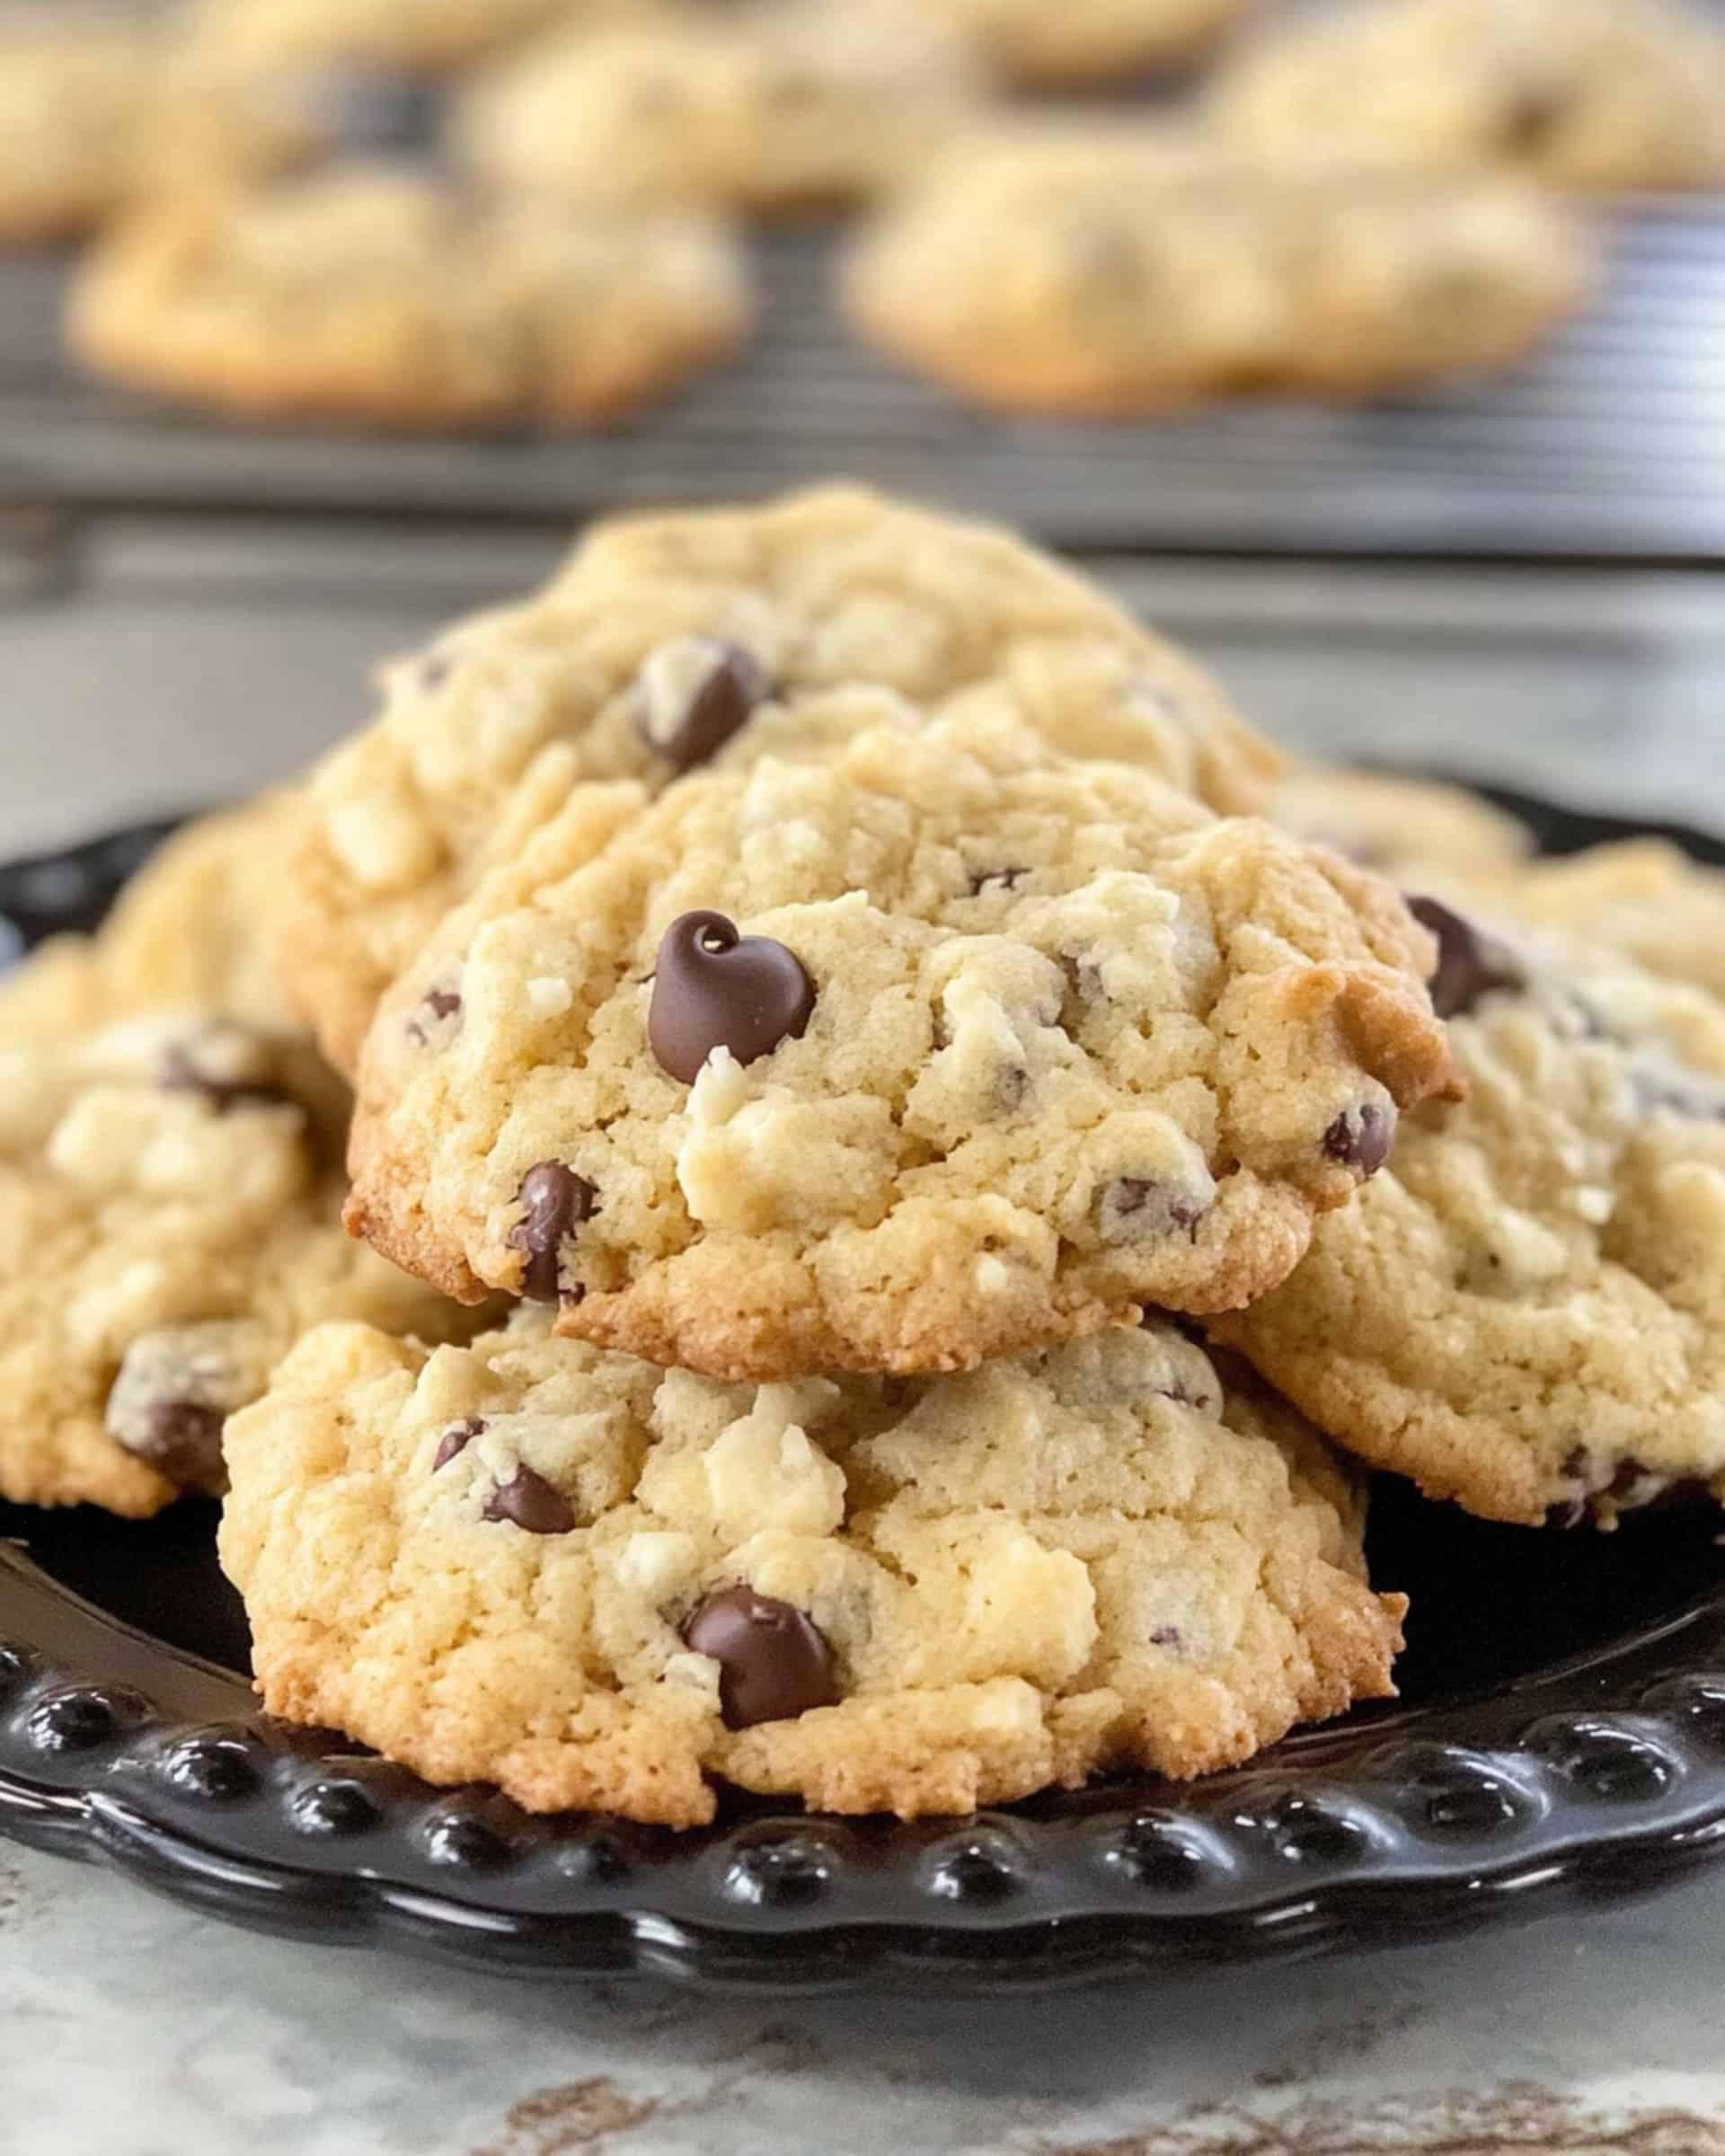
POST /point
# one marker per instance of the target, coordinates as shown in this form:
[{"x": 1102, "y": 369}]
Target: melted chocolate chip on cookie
[
  {"x": 773, "y": 1662},
  {"x": 696, "y": 692},
  {"x": 527, "y": 1501},
  {"x": 557, "y": 1201},
  {"x": 714, "y": 988},
  {"x": 1470, "y": 966}
]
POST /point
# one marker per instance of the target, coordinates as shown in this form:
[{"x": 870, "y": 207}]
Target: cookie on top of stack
[
  {"x": 823, "y": 962},
  {"x": 834, "y": 1032}
]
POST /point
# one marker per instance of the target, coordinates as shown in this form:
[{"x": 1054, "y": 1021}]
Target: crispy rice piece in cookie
[
  {"x": 598, "y": 1583},
  {"x": 1526, "y": 1311},
  {"x": 170, "y": 1186},
  {"x": 1121, "y": 269},
  {"x": 1583, "y": 93},
  {"x": 783, "y": 107},
  {"x": 382, "y": 296},
  {"x": 96, "y": 114},
  {"x": 1400, "y": 826},
  {"x": 1086, "y": 42},
  {"x": 1642, "y": 898},
  {"x": 1010, "y": 1044},
  {"x": 709, "y": 638}
]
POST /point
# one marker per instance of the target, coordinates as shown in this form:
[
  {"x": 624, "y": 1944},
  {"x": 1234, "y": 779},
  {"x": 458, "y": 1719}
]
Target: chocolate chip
[
  {"x": 1361, "y": 1138},
  {"x": 1011, "y": 1086},
  {"x": 183, "y": 1441},
  {"x": 434, "y": 1006},
  {"x": 1008, "y": 879},
  {"x": 1469, "y": 965},
  {"x": 557, "y": 1201},
  {"x": 715, "y": 989},
  {"x": 1165, "y": 1634},
  {"x": 224, "y": 1066},
  {"x": 174, "y": 1390},
  {"x": 694, "y": 693},
  {"x": 772, "y": 1663},
  {"x": 526, "y": 1500},
  {"x": 1136, "y": 1208},
  {"x": 456, "y": 1439},
  {"x": 1531, "y": 118}
]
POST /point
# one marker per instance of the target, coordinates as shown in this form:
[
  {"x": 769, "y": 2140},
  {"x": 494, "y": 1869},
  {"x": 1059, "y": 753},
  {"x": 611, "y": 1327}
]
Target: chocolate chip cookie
[
  {"x": 1526, "y": 1311},
  {"x": 673, "y": 643},
  {"x": 1586, "y": 93},
  {"x": 942, "y": 1048},
  {"x": 170, "y": 1188},
  {"x": 423, "y": 36},
  {"x": 96, "y": 114},
  {"x": 789, "y": 106},
  {"x": 378, "y": 296},
  {"x": 1116, "y": 270},
  {"x": 599, "y": 1584},
  {"x": 1406, "y": 827},
  {"x": 1641, "y": 897},
  {"x": 1088, "y": 41}
]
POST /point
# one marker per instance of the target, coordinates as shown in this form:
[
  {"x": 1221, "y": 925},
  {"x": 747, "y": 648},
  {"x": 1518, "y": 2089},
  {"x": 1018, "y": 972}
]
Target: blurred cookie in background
[
  {"x": 1396, "y": 822},
  {"x": 1117, "y": 269},
  {"x": 431, "y": 36},
  {"x": 96, "y": 113},
  {"x": 1641, "y": 897},
  {"x": 791, "y": 106},
  {"x": 1585, "y": 93},
  {"x": 380, "y": 297},
  {"x": 1086, "y": 42}
]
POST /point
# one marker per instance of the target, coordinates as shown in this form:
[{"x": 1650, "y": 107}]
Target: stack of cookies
[{"x": 879, "y": 1173}]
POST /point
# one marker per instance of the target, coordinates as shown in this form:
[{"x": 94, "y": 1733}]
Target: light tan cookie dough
[
  {"x": 170, "y": 1188},
  {"x": 1113, "y": 270},
  {"x": 1642, "y": 898},
  {"x": 1087, "y": 41},
  {"x": 599, "y": 1584},
  {"x": 1400, "y": 826},
  {"x": 383, "y": 298},
  {"x": 789, "y": 106},
  {"x": 96, "y": 115},
  {"x": 673, "y": 642},
  {"x": 1009, "y": 1044},
  {"x": 1585, "y": 93},
  {"x": 428, "y": 36},
  {"x": 1526, "y": 1311}
]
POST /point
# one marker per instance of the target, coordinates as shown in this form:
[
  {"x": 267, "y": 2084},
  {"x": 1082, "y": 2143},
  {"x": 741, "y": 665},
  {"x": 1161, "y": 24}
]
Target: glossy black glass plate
[{"x": 1560, "y": 1732}]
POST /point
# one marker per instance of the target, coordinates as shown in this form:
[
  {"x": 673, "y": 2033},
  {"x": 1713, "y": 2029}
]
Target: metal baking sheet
[{"x": 1611, "y": 446}]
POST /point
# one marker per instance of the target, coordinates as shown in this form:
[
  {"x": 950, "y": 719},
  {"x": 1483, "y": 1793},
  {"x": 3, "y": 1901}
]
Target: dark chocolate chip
[
  {"x": 1469, "y": 965},
  {"x": 1531, "y": 118},
  {"x": 715, "y": 989},
  {"x": 457, "y": 1438},
  {"x": 700, "y": 693},
  {"x": 1008, "y": 879},
  {"x": 527, "y": 1500},
  {"x": 436, "y": 1003},
  {"x": 557, "y": 1201},
  {"x": 1012, "y": 1086},
  {"x": 1361, "y": 1139},
  {"x": 1165, "y": 1634},
  {"x": 180, "y": 1074},
  {"x": 182, "y": 1440},
  {"x": 1575, "y": 1464},
  {"x": 772, "y": 1663},
  {"x": 373, "y": 113},
  {"x": 1134, "y": 1208}
]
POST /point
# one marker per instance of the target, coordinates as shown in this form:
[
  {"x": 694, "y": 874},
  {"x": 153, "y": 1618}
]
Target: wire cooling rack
[{"x": 1611, "y": 445}]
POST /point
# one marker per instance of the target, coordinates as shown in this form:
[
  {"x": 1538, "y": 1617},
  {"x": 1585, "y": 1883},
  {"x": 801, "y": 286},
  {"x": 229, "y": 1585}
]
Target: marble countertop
[{"x": 171, "y": 663}]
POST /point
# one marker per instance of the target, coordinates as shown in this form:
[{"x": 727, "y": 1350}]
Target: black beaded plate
[{"x": 1560, "y": 1733}]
